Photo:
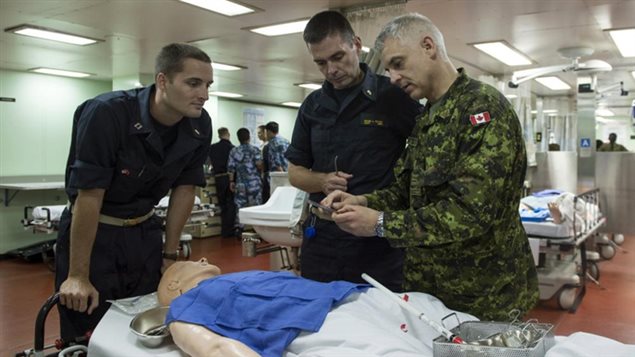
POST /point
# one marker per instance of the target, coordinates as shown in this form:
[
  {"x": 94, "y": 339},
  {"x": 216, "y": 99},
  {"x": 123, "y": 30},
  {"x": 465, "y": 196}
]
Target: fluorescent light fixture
[
  {"x": 226, "y": 67},
  {"x": 53, "y": 35},
  {"x": 292, "y": 104},
  {"x": 223, "y": 7},
  {"x": 624, "y": 40},
  {"x": 60, "y": 72},
  {"x": 511, "y": 96},
  {"x": 633, "y": 74},
  {"x": 311, "y": 86},
  {"x": 225, "y": 94},
  {"x": 553, "y": 83},
  {"x": 604, "y": 112},
  {"x": 503, "y": 52},
  {"x": 281, "y": 29},
  {"x": 365, "y": 49},
  {"x": 546, "y": 111}
]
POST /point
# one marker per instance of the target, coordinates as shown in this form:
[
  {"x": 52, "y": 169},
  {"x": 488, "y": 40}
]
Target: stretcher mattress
[
  {"x": 366, "y": 324},
  {"x": 40, "y": 212},
  {"x": 547, "y": 229}
]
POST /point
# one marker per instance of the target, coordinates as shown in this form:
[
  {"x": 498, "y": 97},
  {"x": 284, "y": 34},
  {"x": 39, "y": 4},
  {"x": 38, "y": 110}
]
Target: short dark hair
[
  {"x": 262, "y": 127},
  {"x": 243, "y": 135},
  {"x": 327, "y": 23},
  {"x": 170, "y": 60},
  {"x": 223, "y": 131},
  {"x": 272, "y": 126}
]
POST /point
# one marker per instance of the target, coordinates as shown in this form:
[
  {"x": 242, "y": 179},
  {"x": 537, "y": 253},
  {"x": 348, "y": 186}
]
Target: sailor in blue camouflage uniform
[
  {"x": 244, "y": 167},
  {"x": 277, "y": 146},
  {"x": 454, "y": 205}
]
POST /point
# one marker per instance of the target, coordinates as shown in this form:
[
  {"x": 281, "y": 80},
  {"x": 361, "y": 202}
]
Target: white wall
[{"x": 230, "y": 115}]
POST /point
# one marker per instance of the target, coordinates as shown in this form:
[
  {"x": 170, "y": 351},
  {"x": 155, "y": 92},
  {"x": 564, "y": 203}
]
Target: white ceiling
[{"x": 134, "y": 30}]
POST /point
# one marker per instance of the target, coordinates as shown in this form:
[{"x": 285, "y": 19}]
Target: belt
[{"x": 125, "y": 222}]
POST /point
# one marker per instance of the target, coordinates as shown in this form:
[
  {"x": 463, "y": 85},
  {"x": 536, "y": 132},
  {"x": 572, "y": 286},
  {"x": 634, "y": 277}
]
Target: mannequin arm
[{"x": 197, "y": 341}]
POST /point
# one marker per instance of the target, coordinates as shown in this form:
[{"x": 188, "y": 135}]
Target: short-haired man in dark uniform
[
  {"x": 348, "y": 136},
  {"x": 128, "y": 149}
]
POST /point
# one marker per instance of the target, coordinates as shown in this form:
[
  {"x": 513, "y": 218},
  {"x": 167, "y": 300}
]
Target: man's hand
[
  {"x": 79, "y": 294},
  {"x": 357, "y": 220},
  {"x": 335, "y": 181},
  {"x": 338, "y": 199},
  {"x": 232, "y": 186}
]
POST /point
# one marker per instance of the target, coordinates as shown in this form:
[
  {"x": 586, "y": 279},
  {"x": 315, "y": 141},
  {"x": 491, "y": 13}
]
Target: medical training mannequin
[{"x": 193, "y": 339}]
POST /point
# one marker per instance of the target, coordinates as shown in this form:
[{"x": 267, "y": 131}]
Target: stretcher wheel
[
  {"x": 618, "y": 239},
  {"x": 566, "y": 298},
  {"x": 593, "y": 270},
  {"x": 186, "y": 250},
  {"x": 607, "y": 251}
]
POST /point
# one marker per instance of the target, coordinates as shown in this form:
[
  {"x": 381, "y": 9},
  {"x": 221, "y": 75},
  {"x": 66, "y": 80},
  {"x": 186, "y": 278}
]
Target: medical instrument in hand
[
  {"x": 335, "y": 164},
  {"x": 324, "y": 208},
  {"x": 435, "y": 325}
]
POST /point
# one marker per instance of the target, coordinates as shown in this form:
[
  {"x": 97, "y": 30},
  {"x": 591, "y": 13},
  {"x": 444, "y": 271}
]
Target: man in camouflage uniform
[
  {"x": 455, "y": 203},
  {"x": 244, "y": 166}
]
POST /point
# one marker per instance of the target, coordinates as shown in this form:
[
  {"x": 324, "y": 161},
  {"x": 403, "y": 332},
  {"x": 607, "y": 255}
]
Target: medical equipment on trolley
[{"x": 564, "y": 263}]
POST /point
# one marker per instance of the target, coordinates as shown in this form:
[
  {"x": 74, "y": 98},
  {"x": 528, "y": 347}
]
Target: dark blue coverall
[
  {"x": 117, "y": 146},
  {"x": 366, "y": 128}
]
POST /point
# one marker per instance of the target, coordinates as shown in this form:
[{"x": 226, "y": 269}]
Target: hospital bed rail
[{"x": 66, "y": 348}]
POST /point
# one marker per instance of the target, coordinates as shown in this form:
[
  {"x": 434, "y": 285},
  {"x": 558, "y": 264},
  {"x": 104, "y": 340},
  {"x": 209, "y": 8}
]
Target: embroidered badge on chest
[{"x": 480, "y": 118}]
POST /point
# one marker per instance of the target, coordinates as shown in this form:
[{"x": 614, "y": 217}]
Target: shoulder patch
[{"x": 480, "y": 118}]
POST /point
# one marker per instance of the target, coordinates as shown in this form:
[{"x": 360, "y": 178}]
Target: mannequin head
[{"x": 183, "y": 276}]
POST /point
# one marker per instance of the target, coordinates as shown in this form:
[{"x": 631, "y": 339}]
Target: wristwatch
[
  {"x": 170, "y": 256},
  {"x": 379, "y": 226}
]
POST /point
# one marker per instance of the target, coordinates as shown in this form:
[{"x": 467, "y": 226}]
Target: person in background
[
  {"x": 612, "y": 145},
  {"x": 219, "y": 155},
  {"x": 347, "y": 136},
  {"x": 244, "y": 167},
  {"x": 454, "y": 206},
  {"x": 128, "y": 149},
  {"x": 277, "y": 147},
  {"x": 264, "y": 150}
]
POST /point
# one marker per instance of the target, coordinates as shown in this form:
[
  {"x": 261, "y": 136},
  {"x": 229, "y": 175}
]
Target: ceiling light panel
[
  {"x": 225, "y": 94},
  {"x": 625, "y": 41},
  {"x": 223, "y": 7},
  {"x": 292, "y": 104},
  {"x": 53, "y": 35},
  {"x": 281, "y": 29},
  {"x": 59, "y": 72},
  {"x": 226, "y": 67},
  {"x": 312, "y": 86},
  {"x": 553, "y": 83},
  {"x": 503, "y": 53}
]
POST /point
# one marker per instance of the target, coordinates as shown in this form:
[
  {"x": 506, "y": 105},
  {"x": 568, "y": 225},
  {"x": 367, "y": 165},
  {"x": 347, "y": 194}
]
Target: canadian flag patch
[{"x": 480, "y": 118}]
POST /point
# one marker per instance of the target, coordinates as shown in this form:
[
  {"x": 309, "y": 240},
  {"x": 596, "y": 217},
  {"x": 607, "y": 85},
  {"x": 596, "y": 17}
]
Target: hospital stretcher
[
  {"x": 565, "y": 260},
  {"x": 45, "y": 219},
  {"x": 364, "y": 325}
]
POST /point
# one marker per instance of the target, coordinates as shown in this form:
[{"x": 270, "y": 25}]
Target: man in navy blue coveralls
[
  {"x": 128, "y": 149},
  {"x": 347, "y": 136}
]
